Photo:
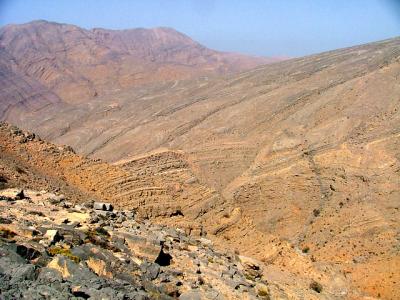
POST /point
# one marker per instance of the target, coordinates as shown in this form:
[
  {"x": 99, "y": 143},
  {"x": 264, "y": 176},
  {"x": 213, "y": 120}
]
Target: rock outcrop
[
  {"x": 48, "y": 251},
  {"x": 293, "y": 270}
]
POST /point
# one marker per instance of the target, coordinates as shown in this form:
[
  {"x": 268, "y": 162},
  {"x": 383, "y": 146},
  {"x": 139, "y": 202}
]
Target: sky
[{"x": 258, "y": 27}]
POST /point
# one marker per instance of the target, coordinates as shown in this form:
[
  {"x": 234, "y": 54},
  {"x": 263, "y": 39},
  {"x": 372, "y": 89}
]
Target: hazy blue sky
[{"x": 280, "y": 27}]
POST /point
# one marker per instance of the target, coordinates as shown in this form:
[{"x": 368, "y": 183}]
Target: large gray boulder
[{"x": 103, "y": 206}]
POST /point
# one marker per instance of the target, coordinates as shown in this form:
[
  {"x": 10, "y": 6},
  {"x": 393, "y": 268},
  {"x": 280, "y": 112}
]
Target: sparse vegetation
[
  {"x": 99, "y": 237},
  {"x": 6, "y": 233},
  {"x": 249, "y": 277},
  {"x": 53, "y": 251},
  {"x": 263, "y": 293}
]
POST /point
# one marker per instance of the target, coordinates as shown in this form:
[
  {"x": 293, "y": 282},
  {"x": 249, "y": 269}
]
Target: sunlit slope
[{"x": 302, "y": 157}]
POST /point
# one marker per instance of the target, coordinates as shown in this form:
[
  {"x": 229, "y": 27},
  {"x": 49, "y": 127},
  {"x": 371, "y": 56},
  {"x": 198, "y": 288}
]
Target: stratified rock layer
[
  {"x": 169, "y": 193},
  {"x": 294, "y": 163}
]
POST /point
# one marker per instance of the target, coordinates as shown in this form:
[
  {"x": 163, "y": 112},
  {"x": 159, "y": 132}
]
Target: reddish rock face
[
  {"x": 20, "y": 92},
  {"x": 78, "y": 64}
]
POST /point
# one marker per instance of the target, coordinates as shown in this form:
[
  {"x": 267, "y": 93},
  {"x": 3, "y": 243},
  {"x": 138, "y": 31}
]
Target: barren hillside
[
  {"x": 295, "y": 163},
  {"x": 160, "y": 187},
  {"x": 78, "y": 64}
]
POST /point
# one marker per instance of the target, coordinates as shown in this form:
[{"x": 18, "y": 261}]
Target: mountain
[
  {"x": 78, "y": 64},
  {"x": 55, "y": 225},
  {"x": 294, "y": 163},
  {"x": 91, "y": 251},
  {"x": 20, "y": 92}
]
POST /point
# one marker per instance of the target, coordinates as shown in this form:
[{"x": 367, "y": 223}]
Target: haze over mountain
[
  {"x": 295, "y": 163},
  {"x": 78, "y": 64}
]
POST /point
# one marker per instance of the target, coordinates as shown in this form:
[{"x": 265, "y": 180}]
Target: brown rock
[{"x": 142, "y": 247}]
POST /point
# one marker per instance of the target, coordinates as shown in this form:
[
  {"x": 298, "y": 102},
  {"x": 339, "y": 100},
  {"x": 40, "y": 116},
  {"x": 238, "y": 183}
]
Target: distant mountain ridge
[{"x": 78, "y": 64}]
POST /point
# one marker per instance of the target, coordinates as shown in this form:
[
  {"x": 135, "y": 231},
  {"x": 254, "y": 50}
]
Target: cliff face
[{"x": 78, "y": 64}]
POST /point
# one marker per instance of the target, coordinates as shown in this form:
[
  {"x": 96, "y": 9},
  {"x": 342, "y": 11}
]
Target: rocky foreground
[{"x": 53, "y": 249}]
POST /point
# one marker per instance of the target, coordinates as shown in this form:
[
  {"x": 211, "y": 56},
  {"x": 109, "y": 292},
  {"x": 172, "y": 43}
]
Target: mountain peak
[{"x": 78, "y": 64}]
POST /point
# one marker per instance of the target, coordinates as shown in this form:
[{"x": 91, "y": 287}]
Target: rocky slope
[
  {"x": 20, "y": 94},
  {"x": 51, "y": 249},
  {"x": 159, "y": 184},
  {"x": 160, "y": 187},
  {"x": 78, "y": 64},
  {"x": 294, "y": 163}
]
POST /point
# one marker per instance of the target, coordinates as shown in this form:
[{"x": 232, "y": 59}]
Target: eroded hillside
[
  {"x": 294, "y": 163},
  {"x": 78, "y": 64},
  {"x": 159, "y": 187},
  {"x": 53, "y": 249}
]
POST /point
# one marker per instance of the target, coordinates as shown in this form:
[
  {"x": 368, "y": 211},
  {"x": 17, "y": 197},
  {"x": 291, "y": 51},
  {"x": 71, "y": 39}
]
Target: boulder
[
  {"x": 103, "y": 206},
  {"x": 250, "y": 267},
  {"x": 170, "y": 289},
  {"x": 10, "y": 260},
  {"x": 143, "y": 247},
  {"x": 55, "y": 199},
  {"x": 53, "y": 235},
  {"x": 29, "y": 252},
  {"x": 67, "y": 204},
  {"x": 88, "y": 204},
  {"x": 191, "y": 180},
  {"x": 262, "y": 291},
  {"x": 23, "y": 272},
  {"x": 71, "y": 236},
  {"x": 100, "y": 267},
  {"x": 150, "y": 270},
  {"x": 12, "y": 194},
  {"x": 70, "y": 270},
  {"x": 11, "y": 230},
  {"x": 206, "y": 242},
  {"x": 49, "y": 275},
  {"x": 192, "y": 295}
]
